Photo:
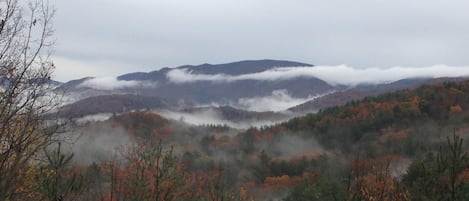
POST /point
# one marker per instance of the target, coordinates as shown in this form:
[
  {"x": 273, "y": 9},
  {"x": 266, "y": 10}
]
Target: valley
[
  {"x": 231, "y": 100},
  {"x": 349, "y": 143}
]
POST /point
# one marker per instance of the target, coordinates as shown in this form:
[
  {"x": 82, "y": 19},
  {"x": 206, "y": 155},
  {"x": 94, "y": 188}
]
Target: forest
[{"x": 405, "y": 145}]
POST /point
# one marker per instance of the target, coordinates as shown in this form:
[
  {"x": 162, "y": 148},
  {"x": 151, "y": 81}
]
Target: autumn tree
[
  {"x": 152, "y": 173},
  {"x": 25, "y": 70}
]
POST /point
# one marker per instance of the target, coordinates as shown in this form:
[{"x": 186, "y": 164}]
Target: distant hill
[
  {"x": 234, "y": 68},
  {"x": 444, "y": 105},
  {"x": 206, "y": 92},
  {"x": 111, "y": 104},
  {"x": 142, "y": 85},
  {"x": 237, "y": 115},
  {"x": 342, "y": 97}
]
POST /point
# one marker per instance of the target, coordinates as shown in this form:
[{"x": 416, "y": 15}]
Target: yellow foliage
[{"x": 243, "y": 194}]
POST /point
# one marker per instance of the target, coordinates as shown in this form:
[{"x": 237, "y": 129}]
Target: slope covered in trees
[
  {"x": 428, "y": 110},
  {"x": 405, "y": 145},
  {"x": 387, "y": 147}
]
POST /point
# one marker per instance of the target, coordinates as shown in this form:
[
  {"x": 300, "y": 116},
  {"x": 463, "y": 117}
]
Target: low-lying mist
[
  {"x": 97, "y": 143},
  {"x": 335, "y": 75},
  {"x": 213, "y": 117},
  {"x": 280, "y": 100},
  {"x": 111, "y": 83},
  {"x": 292, "y": 146},
  {"x": 93, "y": 118}
]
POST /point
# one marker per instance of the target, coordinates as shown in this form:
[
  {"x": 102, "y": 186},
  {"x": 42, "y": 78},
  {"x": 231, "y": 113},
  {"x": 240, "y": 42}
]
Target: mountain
[
  {"x": 234, "y": 68},
  {"x": 245, "y": 85},
  {"x": 205, "y": 91}
]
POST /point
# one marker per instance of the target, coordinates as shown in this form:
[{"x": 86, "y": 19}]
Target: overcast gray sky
[{"x": 112, "y": 37}]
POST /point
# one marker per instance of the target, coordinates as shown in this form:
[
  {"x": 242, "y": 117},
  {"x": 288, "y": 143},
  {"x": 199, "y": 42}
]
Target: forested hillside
[{"x": 406, "y": 145}]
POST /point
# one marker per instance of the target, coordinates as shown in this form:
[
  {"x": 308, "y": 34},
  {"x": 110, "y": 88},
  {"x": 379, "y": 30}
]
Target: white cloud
[
  {"x": 93, "y": 118},
  {"x": 280, "y": 100},
  {"x": 341, "y": 74},
  {"x": 97, "y": 144},
  {"x": 183, "y": 76},
  {"x": 110, "y": 83},
  {"x": 347, "y": 75}
]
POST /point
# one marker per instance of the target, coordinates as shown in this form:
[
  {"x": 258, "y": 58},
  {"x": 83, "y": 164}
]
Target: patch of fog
[
  {"x": 111, "y": 83},
  {"x": 93, "y": 118},
  {"x": 212, "y": 117},
  {"x": 279, "y": 100},
  {"x": 97, "y": 145},
  {"x": 399, "y": 167},
  {"x": 290, "y": 146}
]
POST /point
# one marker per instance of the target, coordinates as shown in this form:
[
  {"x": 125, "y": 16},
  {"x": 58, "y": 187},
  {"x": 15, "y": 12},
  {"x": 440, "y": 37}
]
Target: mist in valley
[{"x": 97, "y": 144}]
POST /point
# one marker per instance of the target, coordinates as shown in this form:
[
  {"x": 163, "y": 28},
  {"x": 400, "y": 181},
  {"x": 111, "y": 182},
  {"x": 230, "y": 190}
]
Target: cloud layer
[
  {"x": 110, "y": 83},
  {"x": 341, "y": 74},
  {"x": 280, "y": 100}
]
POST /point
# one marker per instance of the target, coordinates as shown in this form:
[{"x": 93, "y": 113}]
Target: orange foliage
[
  {"x": 464, "y": 176},
  {"x": 261, "y": 136},
  {"x": 393, "y": 133},
  {"x": 279, "y": 182},
  {"x": 380, "y": 188},
  {"x": 149, "y": 124},
  {"x": 386, "y": 106},
  {"x": 374, "y": 180},
  {"x": 455, "y": 109},
  {"x": 360, "y": 113}
]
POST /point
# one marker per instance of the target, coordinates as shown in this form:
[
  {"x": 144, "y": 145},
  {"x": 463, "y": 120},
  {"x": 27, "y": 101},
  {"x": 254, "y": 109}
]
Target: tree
[
  {"x": 152, "y": 173},
  {"x": 53, "y": 181},
  {"x": 25, "y": 72},
  {"x": 372, "y": 179},
  {"x": 440, "y": 177},
  {"x": 324, "y": 189}
]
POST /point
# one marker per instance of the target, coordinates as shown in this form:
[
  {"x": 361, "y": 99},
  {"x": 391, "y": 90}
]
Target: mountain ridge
[
  {"x": 158, "y": 84},
  {"x": 232, "y": 68}
]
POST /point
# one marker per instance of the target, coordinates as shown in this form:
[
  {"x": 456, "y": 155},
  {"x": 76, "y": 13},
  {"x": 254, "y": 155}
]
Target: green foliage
[
  {"x": 53, "y": 182},
  {"x": 247, "y": 142},
  {"x": 440, "y": 177},
  {"x": 261, "y": 169},
  {"x": 442, "y": 105},
  {"x": 324, "y": 189}
]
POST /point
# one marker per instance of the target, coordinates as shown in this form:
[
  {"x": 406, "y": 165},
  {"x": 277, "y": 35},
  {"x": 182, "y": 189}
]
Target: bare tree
[{"x": 25, "y": 71}]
